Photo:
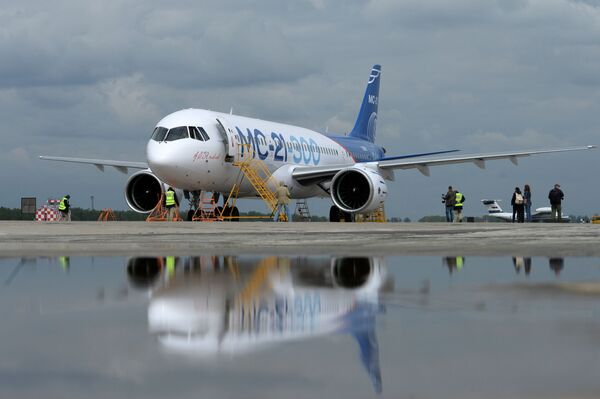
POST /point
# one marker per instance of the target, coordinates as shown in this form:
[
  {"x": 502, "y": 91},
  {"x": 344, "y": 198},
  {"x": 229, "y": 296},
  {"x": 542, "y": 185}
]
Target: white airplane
[
  {"x": 207, "y": 307},
  {"x": 193, "y": 150},
  {"x": 542, "y": 214}
]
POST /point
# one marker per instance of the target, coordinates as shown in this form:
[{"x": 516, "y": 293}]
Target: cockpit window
[
  {"x": 159, "y": 133},
  {"x": 204, "y": 134},
  {"x": 177, "y": 133},
  {"x": 195, "y": 134}
]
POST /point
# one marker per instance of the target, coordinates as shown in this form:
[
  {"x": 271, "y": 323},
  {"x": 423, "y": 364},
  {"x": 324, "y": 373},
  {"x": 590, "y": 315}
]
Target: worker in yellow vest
[
  {"x": 458, "y": 206},
  {"x": 282, "y": 194},
  {"x": 171, "y": 203},
  {"x": 64, "y": 207}
]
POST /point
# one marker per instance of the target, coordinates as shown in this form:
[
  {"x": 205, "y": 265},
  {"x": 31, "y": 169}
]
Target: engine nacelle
[
  {"x": 358, "y": 189},
  {"x": 143, "y": 191}
]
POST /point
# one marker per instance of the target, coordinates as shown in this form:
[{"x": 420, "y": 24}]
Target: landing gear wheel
[
  {"x": 190, "y": 215},
  {"x": 347, "y": 217},
  {"x": 227, "y": 214},
  {"x": 235, "y": 214},
  {"x": 334, "y": 214}
]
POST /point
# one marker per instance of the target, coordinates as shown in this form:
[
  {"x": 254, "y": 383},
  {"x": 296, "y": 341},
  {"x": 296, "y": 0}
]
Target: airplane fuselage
[{"x": 192, "y": 164}]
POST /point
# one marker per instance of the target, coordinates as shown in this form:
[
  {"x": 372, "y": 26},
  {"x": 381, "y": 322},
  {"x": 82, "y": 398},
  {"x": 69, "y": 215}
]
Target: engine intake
[
  {"x": 143, "y": 191},
  {"x": 351, "y": 272},
  {"x": 358, "y": 189}
]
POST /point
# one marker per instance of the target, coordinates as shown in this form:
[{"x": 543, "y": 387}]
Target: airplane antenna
[
  {"x": 326, "y": 129},
  {"x": 231, "y": 111}
]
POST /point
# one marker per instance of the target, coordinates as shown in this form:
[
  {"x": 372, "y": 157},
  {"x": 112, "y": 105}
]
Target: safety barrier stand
[
  {"x": 48, "y": 212},
  {"x": 159, "y": 213},
  {"x": 107, "y": 215}
]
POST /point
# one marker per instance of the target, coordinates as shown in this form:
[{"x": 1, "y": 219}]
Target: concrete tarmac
[{"x": 20, "y": 238}]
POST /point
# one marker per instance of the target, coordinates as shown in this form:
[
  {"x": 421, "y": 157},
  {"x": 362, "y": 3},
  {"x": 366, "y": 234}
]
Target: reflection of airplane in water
[
  {"x": 207, "y": 306},
  {"x": 543, "y": 214}
]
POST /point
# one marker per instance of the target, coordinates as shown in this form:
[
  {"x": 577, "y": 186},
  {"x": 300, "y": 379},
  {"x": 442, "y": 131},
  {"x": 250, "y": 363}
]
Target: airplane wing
[
  {"x": 121, "y": 166},
  {"x": 321, "y": 173}
]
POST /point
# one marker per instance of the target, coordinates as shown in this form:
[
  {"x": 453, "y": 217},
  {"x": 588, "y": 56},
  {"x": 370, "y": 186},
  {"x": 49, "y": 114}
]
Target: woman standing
[
  {"x": 527, "y": 202},
  {"x": 517, "y": 204}
]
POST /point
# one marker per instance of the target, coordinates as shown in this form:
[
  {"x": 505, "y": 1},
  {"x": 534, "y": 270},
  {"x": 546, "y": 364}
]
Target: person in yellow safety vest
[
  {"x": 171, "y": 203},
  {"x": 458, "y": 206},
  {"x": 64, "y": 207}
]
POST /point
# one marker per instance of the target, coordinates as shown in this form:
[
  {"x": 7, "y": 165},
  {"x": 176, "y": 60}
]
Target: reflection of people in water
[
  {"x": 65, "y": 263},
  {"x": 454, "y": 263},
  {"x": 556, "y": 265},
  {"x": 521, "y": 262}
]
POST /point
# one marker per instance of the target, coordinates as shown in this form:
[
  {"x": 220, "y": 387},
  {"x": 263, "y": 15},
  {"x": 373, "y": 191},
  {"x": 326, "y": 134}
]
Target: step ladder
[
  {"x": 376, "y": 216},
  {"x": 207, "y": 210},
  {"x": 302, "y": 210}
]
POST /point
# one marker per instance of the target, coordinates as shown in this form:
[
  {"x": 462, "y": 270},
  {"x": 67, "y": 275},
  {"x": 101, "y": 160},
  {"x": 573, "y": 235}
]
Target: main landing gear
[{"x": 337, "y": 215}]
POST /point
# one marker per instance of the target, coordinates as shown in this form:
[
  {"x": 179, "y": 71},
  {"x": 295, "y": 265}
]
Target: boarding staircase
[
  {"x": 258, "y": 175},
  {"x": 258, "y": 279}
]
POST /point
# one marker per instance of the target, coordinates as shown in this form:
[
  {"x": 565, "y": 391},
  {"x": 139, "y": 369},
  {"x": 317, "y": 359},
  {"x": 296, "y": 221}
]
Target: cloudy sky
[{"x": 91, "y": 79}]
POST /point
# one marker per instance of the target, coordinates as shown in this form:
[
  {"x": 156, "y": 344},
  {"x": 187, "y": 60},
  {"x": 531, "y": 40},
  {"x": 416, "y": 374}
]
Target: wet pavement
[
  {"x": 288, "y": 326},
  {"x": 187, "y": 238}
]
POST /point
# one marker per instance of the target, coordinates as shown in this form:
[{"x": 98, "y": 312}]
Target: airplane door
[{"x": 229, "y": 140}]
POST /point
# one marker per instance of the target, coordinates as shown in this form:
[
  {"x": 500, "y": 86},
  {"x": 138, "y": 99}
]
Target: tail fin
[
  {"x": 366, "y": 123},
  {"x": 492, "y": 205}
]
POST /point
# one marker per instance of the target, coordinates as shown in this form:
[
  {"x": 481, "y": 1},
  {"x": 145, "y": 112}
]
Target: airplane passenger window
[
  {"x": 204, "y": 134},
  {"x": 159, "y": 134},
  {"x": 177, "y": 133}
]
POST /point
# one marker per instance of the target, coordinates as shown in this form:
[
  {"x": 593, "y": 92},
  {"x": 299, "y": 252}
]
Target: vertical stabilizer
[
  {"x": 492, "y": 206},
  {"x": 366, "y": 123}
]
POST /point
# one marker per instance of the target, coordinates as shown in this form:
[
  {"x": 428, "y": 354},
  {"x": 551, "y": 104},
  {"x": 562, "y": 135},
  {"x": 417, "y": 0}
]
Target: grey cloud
[{"x": 88, "y": 79}]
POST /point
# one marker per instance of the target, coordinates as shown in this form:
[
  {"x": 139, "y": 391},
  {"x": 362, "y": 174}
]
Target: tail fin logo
[
  {"x": 374, "y": 75},
  {"x": 371, "y": 127}
]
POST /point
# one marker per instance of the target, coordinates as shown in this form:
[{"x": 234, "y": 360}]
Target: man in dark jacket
[
  {"x": 556, "y": 196},
  {"x": 449, "y": 199}
]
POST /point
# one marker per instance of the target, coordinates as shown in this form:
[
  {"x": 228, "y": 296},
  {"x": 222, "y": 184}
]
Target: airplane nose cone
[{"x": 160, "y": 160}]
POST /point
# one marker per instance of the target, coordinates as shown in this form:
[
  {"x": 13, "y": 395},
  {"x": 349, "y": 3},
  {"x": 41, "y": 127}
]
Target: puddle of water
[{"x": 300, "y": 327}]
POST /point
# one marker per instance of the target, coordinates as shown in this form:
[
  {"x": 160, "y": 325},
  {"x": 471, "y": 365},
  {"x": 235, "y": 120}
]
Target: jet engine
[
  {"x": 359, "y": 273},
  {"x": 143, "y": 191},
  {"x": 358, "y": 189}
]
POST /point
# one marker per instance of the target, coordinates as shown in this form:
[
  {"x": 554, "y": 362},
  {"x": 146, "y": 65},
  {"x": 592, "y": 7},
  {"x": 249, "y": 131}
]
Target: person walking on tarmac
[
  {"x": 64, "y": 208},
  {"x": 459, "y": 198},
  {"x": 449, "y": 199},
  {"x": 171, "y": 203},
  {"x": 283, "y": 200}
]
